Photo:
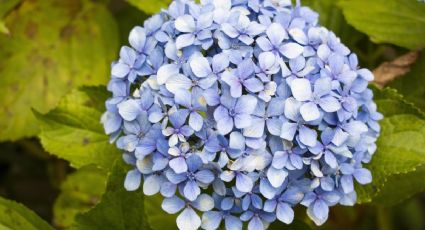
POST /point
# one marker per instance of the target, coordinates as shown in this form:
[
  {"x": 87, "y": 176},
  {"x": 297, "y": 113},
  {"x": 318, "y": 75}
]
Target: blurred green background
[{"x": 49, "y": 47}]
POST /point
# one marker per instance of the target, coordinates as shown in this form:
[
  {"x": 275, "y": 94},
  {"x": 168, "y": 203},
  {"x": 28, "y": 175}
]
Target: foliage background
[{"x": 55, "y": 57}]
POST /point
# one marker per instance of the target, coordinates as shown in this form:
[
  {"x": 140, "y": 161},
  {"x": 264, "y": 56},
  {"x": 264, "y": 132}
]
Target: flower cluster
[{"x": 237, "y": 111}]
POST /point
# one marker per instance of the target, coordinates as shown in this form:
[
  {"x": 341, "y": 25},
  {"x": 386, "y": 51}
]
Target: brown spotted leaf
[{"x": 52, "y": 46}]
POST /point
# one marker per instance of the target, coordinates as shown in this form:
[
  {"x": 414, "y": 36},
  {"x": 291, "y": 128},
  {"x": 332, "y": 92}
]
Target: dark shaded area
[{"x": 31, "y": 176}]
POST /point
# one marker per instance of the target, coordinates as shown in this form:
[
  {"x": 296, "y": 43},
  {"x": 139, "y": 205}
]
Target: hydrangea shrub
[{"x": 237, "y": 111}]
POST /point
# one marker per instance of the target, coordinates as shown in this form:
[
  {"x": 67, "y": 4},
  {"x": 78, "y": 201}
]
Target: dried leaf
[{"x": 389, "y": 71}]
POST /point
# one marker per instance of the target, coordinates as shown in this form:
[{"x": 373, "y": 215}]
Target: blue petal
[
  {"x": 211, "y": 220},
  {"x": 309, "y": 111},
  {"x": 232, "y": 223},
  {"x": 185, "y": 23},
  {"x": 229, "y": 30},
  {"x": 291, "y": 50},
  {"x": 178, "y": 118},
  {"x": 129, "y": 109},
  {"x": 253, "y": 85},
  {"x": 168, "y": 189},
  {"x": 363, "y": 176},
  {"x": 329, "y": 104},
  {"x": 246, "y": 104},
  {"x": 137, "y": 38},
  {"x": 196, "y": 121},
  {"x": 284, "y": 213},
  {"x": 188, "y": 220},
  {"x": 185, "y": 40},
  {"x": 227, "y": 203},
  {"x": 347, "y": 183},
  {"x": 255, "y": 224},
  {"x": 276, "y": 176},
  {"x": 276, "y": 33},
  {"x": 120, "y": 70},
  {"x": 165, "y": 72},
  {"x": 318, "y": 212},
  {"x": 183, "y": 97},
  {"x": 301, "y": 89},
  {"x": 177, "y": 82},
  {"x": 204, "y": 176},
  {"x": 172, "y": 205},
  {"x": 203, "y": 203},
  {"x": 200, "y": 67},
  {"x": 191, "y": 190},
  {"x": 178, "y": 165},
  {"x": 152, "y": 185},
  {"x": 244, "y": 183},
  {"x": 132, "y": 180},
  {"x": 288, "y": 131},
  {"x": 308, "y": 136}
]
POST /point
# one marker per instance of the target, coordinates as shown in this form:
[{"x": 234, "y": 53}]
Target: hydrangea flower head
[{"x": 237, "y": 111}]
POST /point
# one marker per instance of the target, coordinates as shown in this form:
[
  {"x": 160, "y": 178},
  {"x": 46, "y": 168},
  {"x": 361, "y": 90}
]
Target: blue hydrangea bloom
[{"x": 237, "y": 111}]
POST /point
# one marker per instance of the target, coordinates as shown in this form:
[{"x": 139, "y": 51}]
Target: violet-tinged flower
[
  {"x": 179, "y": 131},
  {"x": 128, "y": 64},
  {"x": 243, "y": 29},
  {"x": 234, "y": 113},
  {"x": 242, "y": 77}
]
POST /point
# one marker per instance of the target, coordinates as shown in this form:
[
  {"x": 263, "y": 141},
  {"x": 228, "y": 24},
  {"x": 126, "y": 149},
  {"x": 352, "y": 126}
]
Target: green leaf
[
  {"x": 158, "y": 219},
  {"x": 398, "y": 22},
  {"x": 79, "y": 192},
  {"x": 295, "y": 225},
  {"x": 150, "y": 6},
  {"x": 118, "y": 209},
  {"x": 16, "y": 216},
  {"x": 7, "y": 5},
  {"x": 412, "y": 84},
  {"x": 401, "y": 186},
  {"x": 401, "y": 145},
  {"x": 390, "y": 103},
  {"x": 127, "y": 18},
  {"x": 53, "y": 46},
  {"x": 72, "y": 130}
]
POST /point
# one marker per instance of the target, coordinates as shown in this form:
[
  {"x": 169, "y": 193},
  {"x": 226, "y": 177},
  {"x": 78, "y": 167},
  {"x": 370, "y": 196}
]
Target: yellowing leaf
[{"x": 53, "y": 46}]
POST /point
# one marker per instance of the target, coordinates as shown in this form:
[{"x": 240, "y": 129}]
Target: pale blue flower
[{"x": 247, "y": 101}]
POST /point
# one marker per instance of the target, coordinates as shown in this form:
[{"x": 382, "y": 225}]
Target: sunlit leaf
[
  {"x": 398, "y": 22},
  {"x": 73, "y": 131},
  {"x": 150, "y": 6}
]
